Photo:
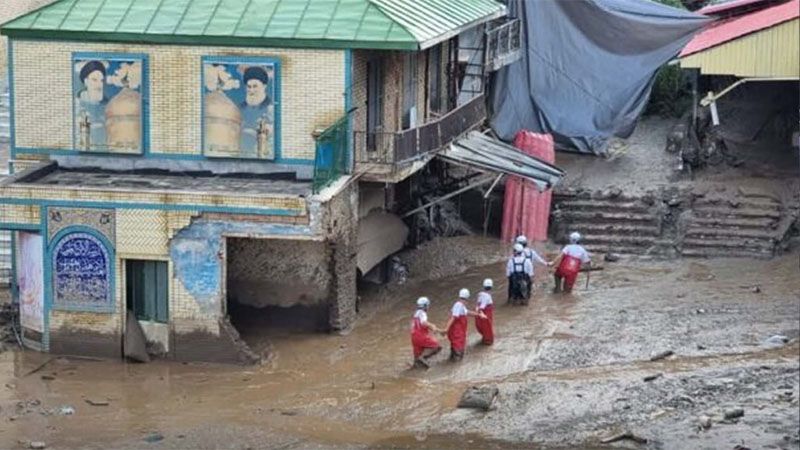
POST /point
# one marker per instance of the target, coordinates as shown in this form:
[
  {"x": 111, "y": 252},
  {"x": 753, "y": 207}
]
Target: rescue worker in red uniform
[
  {"x": 569, "y": 262},
  {"x": 457, "y": 325},
  {"x": 485, "y": 305},
  {"x": 424, "y": 344}
]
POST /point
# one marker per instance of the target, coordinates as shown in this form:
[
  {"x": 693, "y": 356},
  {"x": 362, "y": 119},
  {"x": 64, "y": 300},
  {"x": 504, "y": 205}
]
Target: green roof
[{"x": 379, "y": 24}]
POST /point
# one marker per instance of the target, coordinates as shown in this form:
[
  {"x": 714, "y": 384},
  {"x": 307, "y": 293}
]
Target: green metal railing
[{"x": 330, "y": 161}]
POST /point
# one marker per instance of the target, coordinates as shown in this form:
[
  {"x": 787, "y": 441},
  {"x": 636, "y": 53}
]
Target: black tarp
[{"x": 587, "y": 68}]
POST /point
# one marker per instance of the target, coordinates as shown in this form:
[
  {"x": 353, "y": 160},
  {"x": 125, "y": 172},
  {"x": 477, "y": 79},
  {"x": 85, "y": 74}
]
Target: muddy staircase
[
  {"x": 609, "y": 221},
  {"x": 748, "y": 225}
]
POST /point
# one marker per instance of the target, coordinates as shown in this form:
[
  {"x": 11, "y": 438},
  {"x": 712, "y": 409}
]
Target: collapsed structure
[{"x": 180, "y": 161}]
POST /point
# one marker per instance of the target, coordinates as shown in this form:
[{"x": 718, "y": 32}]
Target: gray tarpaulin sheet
[{"x": 587, "y": 68}]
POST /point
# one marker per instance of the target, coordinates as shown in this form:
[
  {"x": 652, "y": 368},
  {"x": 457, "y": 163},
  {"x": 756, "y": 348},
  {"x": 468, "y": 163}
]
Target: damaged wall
[
  {"x": 278, "y": 272},
  {"x": 335, "y": 213}
]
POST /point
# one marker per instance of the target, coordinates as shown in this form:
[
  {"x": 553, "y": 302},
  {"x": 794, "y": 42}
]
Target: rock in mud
[
  {"x": 37, "y": 445},
  {"x": 623, "y": 436},
  {"x": 653, "y": 377},
  {"x": 154, "y": 437},
  {"x": 478, "y": 397},
  {"x": 96, "y": 402},
  {"x": 733, "y": 413},
  {"x": 662, "y": 355},
  {"x": 704, "y": 422},
  {"x": 612, "y": 257},
  {"x": 777, "y": 340}
]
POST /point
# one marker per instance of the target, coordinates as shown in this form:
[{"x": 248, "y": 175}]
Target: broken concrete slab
[{"x": 479, "y": 397}]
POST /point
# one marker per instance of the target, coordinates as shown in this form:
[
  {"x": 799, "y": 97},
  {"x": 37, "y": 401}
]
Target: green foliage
[
  {"x": 673, "y": 3},
  {"x": 671, "y": 94}
]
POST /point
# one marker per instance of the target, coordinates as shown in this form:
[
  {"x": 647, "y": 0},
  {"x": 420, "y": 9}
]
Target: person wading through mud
[
  {"x": 457, "y": 325},
  {"x": 485, "y": 305},
  {"x": 519, "y": 271},
  {"x": 569, "y": 262},
  {"x": 424, "y": 344},
  {"x": 533, "y": 257}
]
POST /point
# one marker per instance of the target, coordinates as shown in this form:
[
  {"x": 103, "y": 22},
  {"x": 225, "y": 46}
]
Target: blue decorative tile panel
[{"x": 81, "y": 272}]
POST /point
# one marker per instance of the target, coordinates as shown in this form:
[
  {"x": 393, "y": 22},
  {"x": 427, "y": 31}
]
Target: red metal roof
[{"x": 725, "y": 30}]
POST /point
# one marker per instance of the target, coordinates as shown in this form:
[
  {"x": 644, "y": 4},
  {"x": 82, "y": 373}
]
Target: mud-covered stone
[{"x": 478, "y": 397}]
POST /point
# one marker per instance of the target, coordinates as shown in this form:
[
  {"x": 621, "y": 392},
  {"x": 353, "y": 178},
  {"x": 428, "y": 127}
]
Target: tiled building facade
[{"x": 145, "y": 171}]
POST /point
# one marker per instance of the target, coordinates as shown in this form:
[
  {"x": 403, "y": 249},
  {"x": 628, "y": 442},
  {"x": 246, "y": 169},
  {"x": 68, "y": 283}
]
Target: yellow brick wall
[
  {"x": 142, "y": 233},
  {"x": 25, "y": 214},
  {"x": 145, "y": 234},
  {"x": 312, "y": 93},
  {"x": 296, "y": 204},
  {"x": 10, "y": 9}
]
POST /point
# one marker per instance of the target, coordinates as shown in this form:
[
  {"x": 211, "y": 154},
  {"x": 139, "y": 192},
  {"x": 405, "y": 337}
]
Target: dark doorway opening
[{"x": 277, "y": 287}]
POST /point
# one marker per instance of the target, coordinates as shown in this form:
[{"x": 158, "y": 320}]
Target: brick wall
[
  {"x": 312, "y": 83},
  {"x": 9, "y": 9}
]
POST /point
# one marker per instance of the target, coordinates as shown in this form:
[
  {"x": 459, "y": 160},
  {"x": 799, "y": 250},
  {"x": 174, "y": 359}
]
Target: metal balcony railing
[
  {"x": 403, "y": 147},
  {"x": 503, "y": 44}
]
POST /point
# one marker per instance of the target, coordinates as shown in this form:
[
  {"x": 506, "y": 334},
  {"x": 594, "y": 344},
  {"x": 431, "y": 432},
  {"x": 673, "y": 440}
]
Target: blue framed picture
[
  {"x": 109, "y": 102},
  {"x": 241, "y": 114}
]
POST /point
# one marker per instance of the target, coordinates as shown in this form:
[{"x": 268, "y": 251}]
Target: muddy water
[
  {"x": 334, "y": 391},
  {"x": 314, "y": 385}
]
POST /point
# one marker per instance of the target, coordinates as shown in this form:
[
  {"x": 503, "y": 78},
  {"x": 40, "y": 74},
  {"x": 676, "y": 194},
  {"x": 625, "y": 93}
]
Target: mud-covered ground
[{"x": 569, "y": 369}]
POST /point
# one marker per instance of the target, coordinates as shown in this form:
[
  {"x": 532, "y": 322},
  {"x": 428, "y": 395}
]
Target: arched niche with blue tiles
[{"x": 82, "y": 273}]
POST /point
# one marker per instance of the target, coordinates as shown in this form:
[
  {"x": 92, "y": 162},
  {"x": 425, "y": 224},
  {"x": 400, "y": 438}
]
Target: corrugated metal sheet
[
  {"x": 385, "y": 24},
  {"x": 771, "y": 53},
  {"x": 485, "y": 153},
  {"x": 726, "y": 30}
]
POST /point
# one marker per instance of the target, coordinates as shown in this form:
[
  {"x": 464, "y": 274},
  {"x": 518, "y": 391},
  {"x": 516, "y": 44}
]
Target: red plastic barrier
[{"x": 526, "y": 210}]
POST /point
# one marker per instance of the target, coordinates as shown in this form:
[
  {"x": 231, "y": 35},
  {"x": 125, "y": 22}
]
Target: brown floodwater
[{"x": 354, "y": 390}]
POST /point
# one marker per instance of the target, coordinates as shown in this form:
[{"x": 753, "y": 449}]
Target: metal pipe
[
  {"x": 445, "y": 197},
  {"x": 496, "y": 180},
  {"x": 711, "y": 97}
]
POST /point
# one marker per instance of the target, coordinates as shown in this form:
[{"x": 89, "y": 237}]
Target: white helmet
[
  {"x": 521, "y": 239},
  {"x": 487, "y": 283},
  {"x": 574, "y": 237},
  {"x": 423, "y": 302},
  {"x": 518, "y": 248},
  {"x": 463, "y": 293}
]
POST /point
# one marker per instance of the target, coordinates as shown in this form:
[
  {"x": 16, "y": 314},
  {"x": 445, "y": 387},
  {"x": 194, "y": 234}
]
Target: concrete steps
[
  {"x": 609, "y": 223},
  {"x": 701, "y": 232},
  {"x": 606, "y": 217},
  {"x": 633, "y": 229},
  {"x": 727, "y": 253},
  {"x": 730, "y": 212},
  {"x": 595, "y": 205},
  {"x": 735, "y": 222},
  {"x": 744, "y": 226}
]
